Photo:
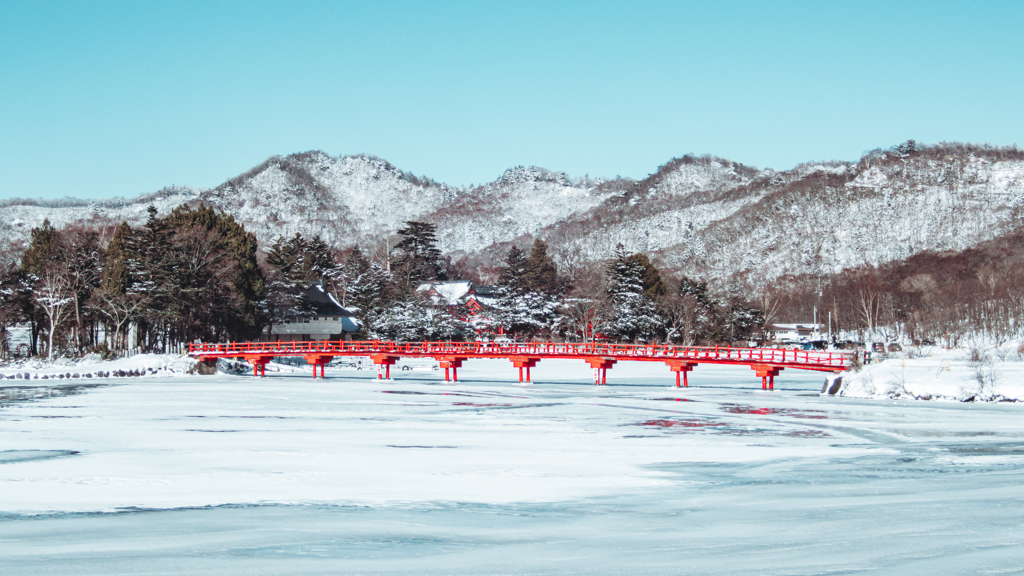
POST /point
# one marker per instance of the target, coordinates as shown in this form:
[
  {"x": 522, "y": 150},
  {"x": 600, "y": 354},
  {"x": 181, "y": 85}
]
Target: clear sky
[{"x": 101, "y": 99}]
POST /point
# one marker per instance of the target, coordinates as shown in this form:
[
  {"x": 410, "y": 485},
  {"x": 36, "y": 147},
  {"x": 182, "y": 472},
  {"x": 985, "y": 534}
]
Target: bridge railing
[{"x": 719, "y": 354}]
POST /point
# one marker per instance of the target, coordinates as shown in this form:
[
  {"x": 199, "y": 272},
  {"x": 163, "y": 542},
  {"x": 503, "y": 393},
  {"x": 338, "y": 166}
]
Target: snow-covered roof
[
  {"x": 323, "y": 303},
  {"x": 485, "y": 300},
  {"x": 451, "y": 292}
]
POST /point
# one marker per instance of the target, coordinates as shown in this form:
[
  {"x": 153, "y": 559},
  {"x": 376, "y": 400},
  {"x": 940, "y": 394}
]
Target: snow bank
[
  {"x": 994, "y": 375},
  {"x": 92, "y": 366}
]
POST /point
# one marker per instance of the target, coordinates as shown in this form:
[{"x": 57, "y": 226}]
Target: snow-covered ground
[
  {"x": 293, "y": 475},
  {"x": 991, "y": 374},
  {"x": 92, "y": 366}
]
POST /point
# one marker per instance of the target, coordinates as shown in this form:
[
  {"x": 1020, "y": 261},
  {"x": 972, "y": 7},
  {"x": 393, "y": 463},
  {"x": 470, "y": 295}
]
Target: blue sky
[{"x": 101, "y": 99}]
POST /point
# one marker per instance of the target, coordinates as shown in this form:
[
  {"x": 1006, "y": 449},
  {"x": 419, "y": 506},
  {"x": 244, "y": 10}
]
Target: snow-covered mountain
[{"x": 706, "y": 216}]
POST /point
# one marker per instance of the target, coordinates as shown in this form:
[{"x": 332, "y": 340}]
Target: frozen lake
[{"x": 291, "y": 475}]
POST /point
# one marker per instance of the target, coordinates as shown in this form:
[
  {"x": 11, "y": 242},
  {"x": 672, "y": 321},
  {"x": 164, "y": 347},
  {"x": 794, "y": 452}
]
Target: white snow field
[
  {"x": 995, "y": 374},
  {"x": 173, "y": 474}
]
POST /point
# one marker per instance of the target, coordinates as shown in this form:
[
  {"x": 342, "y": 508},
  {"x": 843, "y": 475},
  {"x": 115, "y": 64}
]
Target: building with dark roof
[{"x": 323, "y": 319}]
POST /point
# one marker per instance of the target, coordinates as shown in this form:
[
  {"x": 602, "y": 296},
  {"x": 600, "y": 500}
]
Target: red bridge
[{"x": 766, "y": 362}]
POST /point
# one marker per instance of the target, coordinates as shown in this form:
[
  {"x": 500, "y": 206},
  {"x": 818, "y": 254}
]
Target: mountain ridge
[{"x": 703, "y": 215}]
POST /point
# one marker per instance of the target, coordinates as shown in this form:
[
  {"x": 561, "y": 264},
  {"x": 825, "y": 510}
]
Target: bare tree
[
  {"x": 586, "y": 308},
  {"x": 867, "y": 307},
  {"x": 120, "y": 308},
  {"x": 81, "y": 257},
  {"x": 770, "y": 306},
  {"x": 679, "y": 313},
  {"x": 53, "y": 295}
]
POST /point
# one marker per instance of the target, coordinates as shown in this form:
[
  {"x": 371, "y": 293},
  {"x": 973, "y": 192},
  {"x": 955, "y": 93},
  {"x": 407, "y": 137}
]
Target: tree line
[
  {"x": 197, "y": 274},
  {"x": 947, "y": 298}
]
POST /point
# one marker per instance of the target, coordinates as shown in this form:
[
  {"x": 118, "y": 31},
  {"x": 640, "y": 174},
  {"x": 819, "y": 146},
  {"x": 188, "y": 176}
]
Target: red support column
[
  {"x": 767, "y": 373},
  {"x": 524, "y": 362},
  {"x": 600, "y": 366},
  {"x": 259, "y": 363},
  {"x": 384, "y": 363},
  {"x": 318, "y": 361},
  {"x": 450, "y": 363},
  {"x": 678, "y": 366}
]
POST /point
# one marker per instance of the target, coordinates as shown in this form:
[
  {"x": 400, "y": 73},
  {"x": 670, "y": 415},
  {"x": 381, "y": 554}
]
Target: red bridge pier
[
  {"x": 318, "y": 361},
  {"x": 524, "y": 362},
  {"x": 681, "y": 366},
  {"x": 601, "y": 366},
  {"x": 259, "y": 363},
  {"x": 453, "y": 363},
  {"x": 767, "y": 374},
  {"x": 386, "y": 361}
]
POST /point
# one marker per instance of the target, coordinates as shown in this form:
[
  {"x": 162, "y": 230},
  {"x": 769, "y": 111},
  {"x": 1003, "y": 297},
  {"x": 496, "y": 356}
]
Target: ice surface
[{"x": 291, "y": 475}]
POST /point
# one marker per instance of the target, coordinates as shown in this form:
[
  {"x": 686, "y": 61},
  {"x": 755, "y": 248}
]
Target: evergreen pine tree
[
  {"x": 419, "y": 258},
  {"x": 633, "y": 312},
  {"x": 362, "y": 286},
  {"x": 744, "y": 320},
  {"x": 651, "y": 278},
  {"x": 708, "y": 324},
  {"x": 294, "y": 265},
  {"x": 216, "y": 259},
  {"x": 539, "y": 271},
  {"x": 302, "y": 261},
  {"x": 42, "y": 247},
  {"x": 84, "y": 268},
  {"x": 511, "y": 280},
  {"x": 520, "y": 308},
  {"x": 116, "y": 298}
]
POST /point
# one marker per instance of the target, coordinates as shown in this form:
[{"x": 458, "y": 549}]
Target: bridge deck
[{"x": 766, "y": 361}]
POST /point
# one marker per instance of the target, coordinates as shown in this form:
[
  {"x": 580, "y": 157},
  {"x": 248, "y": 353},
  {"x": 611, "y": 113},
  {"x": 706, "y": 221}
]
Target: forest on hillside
[{"x": 197, "y": 274}]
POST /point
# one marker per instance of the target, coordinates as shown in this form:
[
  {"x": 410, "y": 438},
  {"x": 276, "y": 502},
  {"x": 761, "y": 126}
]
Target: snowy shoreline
[
  {"x": 93, "y": 366},
  {"x": 958, "y": 375}
]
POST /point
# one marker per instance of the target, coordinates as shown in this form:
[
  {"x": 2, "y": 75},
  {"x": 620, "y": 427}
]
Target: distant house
[
  {"x": 790, "y": 333},
  {"x": 460, "y": 293},
  {"x": 15, "y": 341},
  {"x": 451, "y": 293},
  {"x": 325, "y": 319},
  {"x": 481, "y": 298},
  {"x": 474, "y": 301}
]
